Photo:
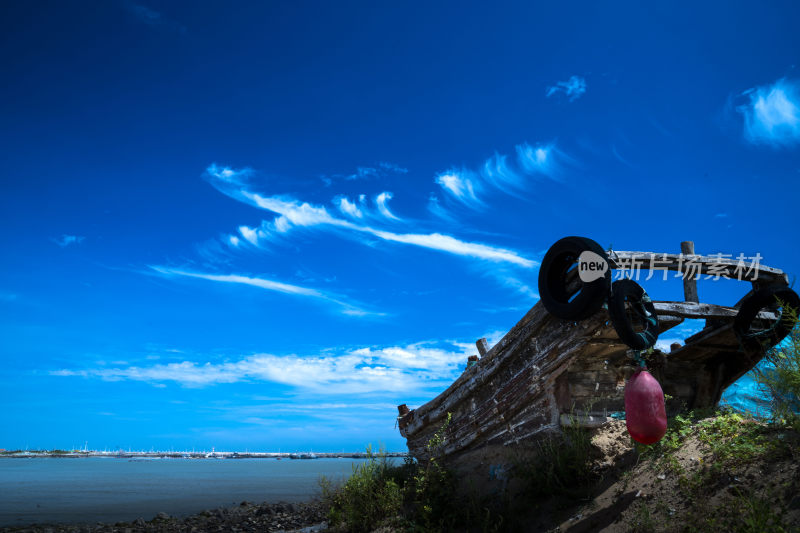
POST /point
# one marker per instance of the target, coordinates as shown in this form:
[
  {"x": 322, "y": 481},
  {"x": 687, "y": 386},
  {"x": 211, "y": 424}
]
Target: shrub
[
  {"x": 558, "y": 465},
  {"x": 434, "y": 485},
  {"x": 368, "y": 497},
  {"x": 780, "y": 380},
  {"x": 412, "y": 496}
]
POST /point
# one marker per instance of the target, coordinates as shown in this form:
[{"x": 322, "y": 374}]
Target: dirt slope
[{"x": 717, "y": 474}]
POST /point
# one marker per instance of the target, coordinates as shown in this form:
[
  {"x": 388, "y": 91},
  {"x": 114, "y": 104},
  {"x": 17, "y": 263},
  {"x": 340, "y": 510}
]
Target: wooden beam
[
  {"x": 701, "y": 264},
  {"x": 689, "y": 283},
  {"x": 699, "y": 310},
  {"x": 483, "y": 346}
]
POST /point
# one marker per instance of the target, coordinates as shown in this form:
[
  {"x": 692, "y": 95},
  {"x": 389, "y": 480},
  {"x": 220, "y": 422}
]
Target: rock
[
  {"x": 162, "y": 516},
  {"x": 139, "y": 522}
]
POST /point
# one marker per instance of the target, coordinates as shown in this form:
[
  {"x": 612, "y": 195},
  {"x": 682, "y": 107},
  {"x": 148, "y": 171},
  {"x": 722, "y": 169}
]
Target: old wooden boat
[{"x": 547, "y": 371}]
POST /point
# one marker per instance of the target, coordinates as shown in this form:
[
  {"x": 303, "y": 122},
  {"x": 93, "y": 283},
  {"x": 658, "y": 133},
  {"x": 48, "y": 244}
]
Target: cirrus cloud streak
[
  {"x": 270, "y": 285},
  {"x": 412, "y": 368},
  {"x": 293, "y": 213}
]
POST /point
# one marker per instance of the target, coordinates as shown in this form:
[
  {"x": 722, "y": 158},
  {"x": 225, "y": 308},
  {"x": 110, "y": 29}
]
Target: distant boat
[{"x": 302, "y": 456}]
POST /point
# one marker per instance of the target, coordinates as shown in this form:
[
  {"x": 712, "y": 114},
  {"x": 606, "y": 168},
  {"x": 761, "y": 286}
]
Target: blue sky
[{"x": 263, "y": 226}]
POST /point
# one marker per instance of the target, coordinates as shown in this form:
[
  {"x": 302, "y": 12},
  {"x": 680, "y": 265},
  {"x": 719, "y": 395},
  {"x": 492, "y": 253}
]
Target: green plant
[
  {"x": 746, "y": 512},
  {"x": 756, "y": 514},
  {"x": 557, "y": 465},
  {"x": 642, "y": 520},
  {"x": 780, "y": 379},
  {"x": 678, "y": 429},
  {"x": 413, "y": 496},
  {"x": 734, "y": 439},
  {"x": 368, "y": 497},
  {"x": 434, "y": 485}
]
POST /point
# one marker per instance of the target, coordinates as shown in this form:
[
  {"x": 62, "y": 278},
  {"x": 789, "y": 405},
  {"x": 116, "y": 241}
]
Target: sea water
[{"x": 108, "y": 489}]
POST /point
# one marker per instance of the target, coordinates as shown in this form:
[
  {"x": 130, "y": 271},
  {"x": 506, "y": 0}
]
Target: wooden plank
[
  {"x": 702, "y": 310},
  {"x": 699, "y": 264}
]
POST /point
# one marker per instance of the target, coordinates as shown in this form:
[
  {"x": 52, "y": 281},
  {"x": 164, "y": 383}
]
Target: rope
[
  {"x": 639, "y": 309},
  {"x": 639, "y": 359},
  {"x": 765, "y": 332}
]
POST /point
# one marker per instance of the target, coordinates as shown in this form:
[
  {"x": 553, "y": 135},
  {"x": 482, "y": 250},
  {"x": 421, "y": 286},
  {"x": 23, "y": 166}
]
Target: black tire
[
  {"x": 627, "y": 290},
  {"x": 558, "y": 260},
  {"x": 769, "y": 297}
]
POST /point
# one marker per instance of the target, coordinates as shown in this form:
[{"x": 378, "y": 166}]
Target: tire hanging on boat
[
  {"x": 779, "y": 297},
  {"x": 554, "y": 281},
  {"x": 627, "y": 290},
  {"x": 645, "y": 411}
]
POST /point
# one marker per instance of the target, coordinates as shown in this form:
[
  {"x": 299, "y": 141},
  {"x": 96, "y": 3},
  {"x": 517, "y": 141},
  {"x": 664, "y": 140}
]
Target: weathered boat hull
[{"x": 546, "y": 372}]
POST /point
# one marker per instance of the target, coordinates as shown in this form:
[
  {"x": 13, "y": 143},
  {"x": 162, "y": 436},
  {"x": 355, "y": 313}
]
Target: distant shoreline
[
  {"x": 193, "y": 455},
  {"x": 111, "y": 489}
]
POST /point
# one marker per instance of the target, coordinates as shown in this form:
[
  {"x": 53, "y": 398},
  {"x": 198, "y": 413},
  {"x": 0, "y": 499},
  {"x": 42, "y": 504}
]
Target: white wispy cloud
[
  {"x": 67, "y": 240},
  {"x": 347, "y": 207},
  {"x": 772, "y": 115},
  {"x": 302, "y": 214},
  {"x": 249, "y": 234},
  {"x": 511, "y": 281},
  {"x": 295, "y": 213},
  {"x": 461, "y": 185},
  {"x": 229, "y": 175},
  {"x": 409, "y": 368},
  {"x": 573, "y": 88},
  {"x": 679, "y": 334},
  {"x": 217, "y": 251},
  {"x": 500, "y": 172},
  {"x": 363, "y": 172},
  {"x": 619, "y": 157},
  {"x": 270, "y": 285},
  {"x": 665, "y": 344},
  {"x": 497, "y": 171},
  {"x": 435, "y": 207},
  {"x": 540, "y": 159},
  {"x": 259, "y": 235},
  {"x": 391, "y": 167},
  {"x": 381, "y": 200},
  {"x": 381, "y": 170},
  {"x": 446, "y": 243}
]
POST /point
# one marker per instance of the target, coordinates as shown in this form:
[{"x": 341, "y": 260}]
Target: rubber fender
[
  {"x": 627, "y": 290},
  {"x": 763, "y": 299},
  {"x": 645, "y": 412},
  {"x": 553, "y": 279}
]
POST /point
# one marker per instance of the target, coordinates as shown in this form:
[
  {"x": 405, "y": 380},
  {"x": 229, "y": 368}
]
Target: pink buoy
[{"x": 645, "y": 413}]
